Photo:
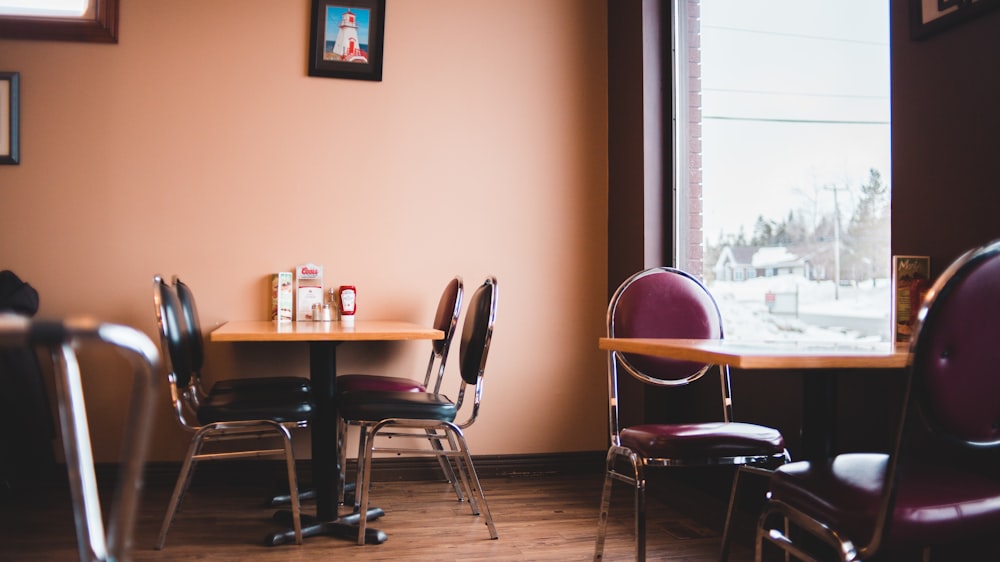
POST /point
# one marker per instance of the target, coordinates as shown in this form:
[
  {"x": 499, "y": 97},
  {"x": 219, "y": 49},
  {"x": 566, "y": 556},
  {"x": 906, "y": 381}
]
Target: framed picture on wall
[
  {"x": 928, "y": 17},
  {"x": 9, "y": 117},
  {"x": 346, "y": 38}
]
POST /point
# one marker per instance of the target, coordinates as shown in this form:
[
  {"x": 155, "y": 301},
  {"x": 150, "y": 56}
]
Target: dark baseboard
[{"x": 385, "y": 469}]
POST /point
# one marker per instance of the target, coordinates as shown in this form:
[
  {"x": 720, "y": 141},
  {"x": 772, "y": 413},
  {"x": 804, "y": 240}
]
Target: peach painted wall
[{"x": 199, "y": 146}]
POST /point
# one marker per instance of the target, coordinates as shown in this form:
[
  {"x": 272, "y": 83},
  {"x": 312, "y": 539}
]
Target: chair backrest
[
  {"x": 173, "y": 340},
  {"x": 956, "y": 351},
  {"x": 952, "y": 380},
  {"x": 97, "y": 538},
  {"x": 477, "y": 334},
  {"x": 192, "y": 324},
  {"x": 662, "y": 302},
  {"x": 446, "y": 320}
]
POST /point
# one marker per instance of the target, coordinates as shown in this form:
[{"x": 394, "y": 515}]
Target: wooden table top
[
  {"x": 363, "y": 330},
  {"x": 778, "y": 354}
]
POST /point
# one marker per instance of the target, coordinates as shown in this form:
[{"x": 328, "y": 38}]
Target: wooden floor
[{"x": 537, "y": 518}]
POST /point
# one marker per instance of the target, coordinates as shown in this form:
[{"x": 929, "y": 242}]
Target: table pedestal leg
[
  {"x": 819, "y": 414},
  {"x": 325, "y": 461}
]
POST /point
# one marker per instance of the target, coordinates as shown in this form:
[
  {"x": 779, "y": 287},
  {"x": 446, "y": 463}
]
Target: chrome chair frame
[
  {"x": 185, "y": 403},
  {"x": 446, "y": 319},
  {"x": 636, "y": 478},
  {"x": 95, "y": 541},
  {"x": 476, "y": 338},
  {"x": 928, "y": 351}
]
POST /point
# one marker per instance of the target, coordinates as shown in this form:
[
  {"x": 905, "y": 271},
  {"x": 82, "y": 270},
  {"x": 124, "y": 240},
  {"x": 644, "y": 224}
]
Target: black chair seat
[
  {"x": 241, "y": 407},
  {"x": 232, "y": 410},
  {"x": 375, "y": 405},
  {"x": 703, "y": 440},
  {"x": 936, "y": 503},
  {"x": 429, "y": 415},
  {"x": 355, "y": 382},
  {"x": 298, "y": 385},
  {"x": 445, "y": 319}
]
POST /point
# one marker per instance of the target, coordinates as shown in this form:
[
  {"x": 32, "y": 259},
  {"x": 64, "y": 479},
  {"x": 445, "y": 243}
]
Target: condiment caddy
[{"x": 309, "y": 297}]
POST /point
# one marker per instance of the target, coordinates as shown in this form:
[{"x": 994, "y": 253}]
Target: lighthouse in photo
[{"x": 347, "y": 47}]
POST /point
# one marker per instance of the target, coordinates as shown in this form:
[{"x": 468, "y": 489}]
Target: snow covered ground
[{"x": 745, "y": 315}]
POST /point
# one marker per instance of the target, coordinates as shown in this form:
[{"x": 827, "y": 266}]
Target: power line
[
  {"x": 795, "y": 35},
  {"x": 778, "y": 120},
  {"x": 797, "y": 94}
]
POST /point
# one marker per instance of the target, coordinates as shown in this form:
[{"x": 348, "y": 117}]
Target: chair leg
[
  {"x": 446, "y": 468},
  {"x": 730, "y": 512},
  {"x": 602, "y": 524},
  {"x": 464, "y": 474},
  {"x": 293, "y": 485},
  {"x": 640, "y": 511},
  {"x": 758, "y": 547},
  {"x": 183, "y": 481},
  {"x": 342, "y": 459},
  {"x": 364, "y": 479},
  {"x": 478, "y": 487},
  {"x": 362, "y": 464}
]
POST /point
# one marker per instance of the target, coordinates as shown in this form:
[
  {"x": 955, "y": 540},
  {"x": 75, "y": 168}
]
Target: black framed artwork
[
  {"x": 346, "y": 39},
  {"x": 928, "y": 17},
  {"x": 9, "y": 117}
]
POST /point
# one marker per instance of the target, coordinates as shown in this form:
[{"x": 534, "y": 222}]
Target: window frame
[{"x": 100, "y": 26}]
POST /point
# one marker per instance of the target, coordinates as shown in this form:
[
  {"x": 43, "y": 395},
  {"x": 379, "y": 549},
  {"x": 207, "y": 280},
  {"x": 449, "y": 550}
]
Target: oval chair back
[
  {"x": 955, "y": 354},
  {"x": 663, "y": 302},
  {"x": 172, "y": 338},
  {"x": 189, "y": 312},
  {"x": 446, "y": 320}
]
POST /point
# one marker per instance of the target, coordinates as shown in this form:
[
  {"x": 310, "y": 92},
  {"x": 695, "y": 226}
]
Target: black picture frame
[
  {"x": 9, "y": 117},
  {"x": 928, "y": 17},
  {"x": 359, "y": 57}
]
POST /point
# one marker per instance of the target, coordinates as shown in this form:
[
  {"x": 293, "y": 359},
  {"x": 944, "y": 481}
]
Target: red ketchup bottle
[{"x": 348, "y": 299}]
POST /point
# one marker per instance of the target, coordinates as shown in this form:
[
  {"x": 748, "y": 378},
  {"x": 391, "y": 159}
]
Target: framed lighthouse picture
[{"x": 346, "y": 38}]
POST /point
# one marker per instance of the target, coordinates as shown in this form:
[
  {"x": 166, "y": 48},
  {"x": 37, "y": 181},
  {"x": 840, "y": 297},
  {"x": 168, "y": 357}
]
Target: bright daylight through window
[
  {"x": 52, "y": 8},
  {"x": 784, "y": 128}
]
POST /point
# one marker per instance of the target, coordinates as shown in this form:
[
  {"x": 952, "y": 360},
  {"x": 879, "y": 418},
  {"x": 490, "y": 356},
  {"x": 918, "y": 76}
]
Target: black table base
[
  {"x": 325, "y": 462},
  {"x": 344, "y": 527}
]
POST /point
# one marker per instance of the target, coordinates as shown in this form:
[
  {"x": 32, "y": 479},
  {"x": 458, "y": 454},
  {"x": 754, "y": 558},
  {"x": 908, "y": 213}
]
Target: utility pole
[{"x": 836, "y": 240}]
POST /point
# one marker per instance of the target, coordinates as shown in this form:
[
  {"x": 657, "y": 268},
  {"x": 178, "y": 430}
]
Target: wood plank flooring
[{"x": 537, "y": 517}]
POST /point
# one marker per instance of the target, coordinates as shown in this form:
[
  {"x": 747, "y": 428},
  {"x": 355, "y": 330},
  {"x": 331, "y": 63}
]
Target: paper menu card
[
  {"x": 308, "y": 290},
  {"x": 281, "y": 296},
  {"x": 910, "y": 281}
]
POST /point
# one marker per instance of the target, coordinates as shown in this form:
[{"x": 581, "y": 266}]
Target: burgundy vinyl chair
[
  {"x": 664, "y": 302},
  {"x": 939, "y": 485},
  {"x": 445, "y": 319}
]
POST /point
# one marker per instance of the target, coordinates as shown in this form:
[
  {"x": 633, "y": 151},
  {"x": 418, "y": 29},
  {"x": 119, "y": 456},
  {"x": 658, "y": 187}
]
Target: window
[
  {"x": 782, "y": 122},
  {"x": 60, "y": 20},
  {"x": 45, "y": 8}
]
